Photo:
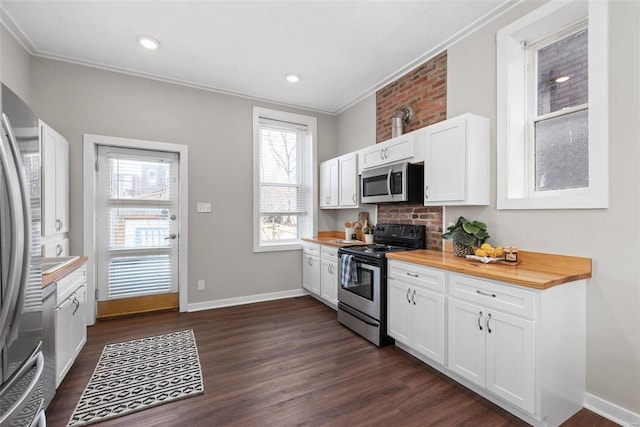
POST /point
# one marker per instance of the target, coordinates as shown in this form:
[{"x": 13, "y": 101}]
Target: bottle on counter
[{"x": 511, "y": 254}]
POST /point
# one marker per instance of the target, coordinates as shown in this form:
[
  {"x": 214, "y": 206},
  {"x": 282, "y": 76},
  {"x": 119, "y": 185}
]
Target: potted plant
[
  {"x": 466, "y": 235},
  {"x": 368, "y": 233}
]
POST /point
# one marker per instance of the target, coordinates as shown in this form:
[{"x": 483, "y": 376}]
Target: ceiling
[{"x": 343, "y": 50}]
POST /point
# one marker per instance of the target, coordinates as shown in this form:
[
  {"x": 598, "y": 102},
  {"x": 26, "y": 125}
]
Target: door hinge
[{"x": 97, "y": 166}]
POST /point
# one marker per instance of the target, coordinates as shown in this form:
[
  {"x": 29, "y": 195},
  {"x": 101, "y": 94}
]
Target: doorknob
[{"x": 171, "y": 236}]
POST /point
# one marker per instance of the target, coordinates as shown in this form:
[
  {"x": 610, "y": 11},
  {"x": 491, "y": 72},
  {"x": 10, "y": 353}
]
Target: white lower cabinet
[
  {"x": 320, "y": 272},
  {"x": 416, "y": 309},
  {"x": 329, "y": 275},
  {"x": 494, "y": 350},
  {"x": 521, "y": 348}
]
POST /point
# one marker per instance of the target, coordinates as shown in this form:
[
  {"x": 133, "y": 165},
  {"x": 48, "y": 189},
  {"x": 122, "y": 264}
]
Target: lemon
[{"x": 485, "y": 246}]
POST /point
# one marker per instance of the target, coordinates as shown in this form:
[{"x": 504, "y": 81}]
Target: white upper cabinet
[
  {"x": 348, "y": 187},
  {"x": 407, "y": 147},
  {"x": 457, "y": 162},
  {"x": 339, "y": 182},
  {"x": 55, "y": 181},
  {"x": 329, "y": 184}
]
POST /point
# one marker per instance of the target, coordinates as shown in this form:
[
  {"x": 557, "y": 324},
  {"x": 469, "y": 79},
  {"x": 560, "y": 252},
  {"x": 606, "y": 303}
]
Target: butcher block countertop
[
  {"x": 329, "y": 238},
  {"x": 534, "y": 269},
  {"x": 48, "y": 279}
]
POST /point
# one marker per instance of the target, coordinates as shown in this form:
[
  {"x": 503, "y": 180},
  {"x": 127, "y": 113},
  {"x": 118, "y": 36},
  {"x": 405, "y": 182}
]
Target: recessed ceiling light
[
  {"x": 149, "y": 42},
  {"x": 293, "y": 78},
  {"x": 562, "y": 79}
]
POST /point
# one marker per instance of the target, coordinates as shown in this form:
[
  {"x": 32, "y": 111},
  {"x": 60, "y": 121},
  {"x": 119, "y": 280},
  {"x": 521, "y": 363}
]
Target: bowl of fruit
[{"x": 487, "y": 253}]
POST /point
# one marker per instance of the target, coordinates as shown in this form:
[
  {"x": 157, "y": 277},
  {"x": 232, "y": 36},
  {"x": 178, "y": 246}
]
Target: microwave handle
[{"x": 389, "y": 182}]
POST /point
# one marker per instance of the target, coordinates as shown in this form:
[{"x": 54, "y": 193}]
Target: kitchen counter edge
[
  {"x": 534, "y": 270},
  {"x": 48, "y": 279},
  {"x": 326, "y": 237}
]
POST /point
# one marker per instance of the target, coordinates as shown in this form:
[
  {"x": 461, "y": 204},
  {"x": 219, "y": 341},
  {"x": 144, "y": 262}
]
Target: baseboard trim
[
  {"x": 228, "y": 302},
  {"x": 611, "y": 411}
]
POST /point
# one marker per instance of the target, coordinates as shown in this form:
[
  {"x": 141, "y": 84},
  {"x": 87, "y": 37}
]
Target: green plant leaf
[
  {"x": 480, "y": 225},
  {"x": 470, "y": 228}
]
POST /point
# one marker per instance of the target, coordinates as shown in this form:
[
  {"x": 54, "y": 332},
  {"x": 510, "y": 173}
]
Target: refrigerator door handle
[
  {"x": 14, "y": 270},
  {"x": 26, "y": 228},
  {"x": 38, "y": 359}
]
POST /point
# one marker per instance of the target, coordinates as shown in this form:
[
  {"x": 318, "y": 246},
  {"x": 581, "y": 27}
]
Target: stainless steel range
[{"x": 362, "y": 295}]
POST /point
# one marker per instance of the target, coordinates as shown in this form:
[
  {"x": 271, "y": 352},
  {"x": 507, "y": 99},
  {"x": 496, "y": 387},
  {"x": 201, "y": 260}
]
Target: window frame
[
  {"x": 517, "y": 102},
  {"x": 309, "y": 226}
]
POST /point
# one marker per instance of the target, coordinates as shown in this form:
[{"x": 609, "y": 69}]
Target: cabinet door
[
  {"x": 510, "y": 365},
  {"x": 399, "y": 311},
  {"x": 64, "y": 346},
  {"x": 445, "y": 162},
  {"x": 329, "y": 183},
  {"x": 329, "y": 282},
  {"x": 311, "y": 273},
  {"x": 348, "y": 180},
  {"x": 428, "y": 323},
  {"x": 62, "y": 184},
  {"x": 466, "y": 349},
  {"x": 399, "y": 148},
  {"x": 55, "y": 182},
  {"x": 56, "y": 248},
  {"x": 78, "y": 325}
]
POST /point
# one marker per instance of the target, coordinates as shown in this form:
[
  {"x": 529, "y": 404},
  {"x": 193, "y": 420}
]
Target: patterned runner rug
[{"x": 135, "y": 375}]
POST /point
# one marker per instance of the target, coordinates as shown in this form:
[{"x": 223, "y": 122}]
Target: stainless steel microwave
[{"x": 400, "y": 182}]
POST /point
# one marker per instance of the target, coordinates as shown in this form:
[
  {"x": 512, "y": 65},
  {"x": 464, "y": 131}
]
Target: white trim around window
[
  {"x": 515, "y": 190},
  {"x": 310, "y": 221}
]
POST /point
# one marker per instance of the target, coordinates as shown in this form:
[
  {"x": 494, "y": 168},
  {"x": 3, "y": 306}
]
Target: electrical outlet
[
  {"x": 204, "y": 207},
  {"x": 201, "y": 285}
]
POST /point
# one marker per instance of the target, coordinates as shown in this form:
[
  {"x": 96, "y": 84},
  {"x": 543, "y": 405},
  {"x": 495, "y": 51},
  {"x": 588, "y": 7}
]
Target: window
[
  {"x": 284, "y": 182},
  {"x": 552, "y": 108}
]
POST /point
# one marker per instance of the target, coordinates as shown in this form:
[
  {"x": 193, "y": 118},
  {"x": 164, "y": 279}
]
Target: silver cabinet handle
[
  {"x": 354, "y": 198},
  {"x": 426, "y": 196},
  {"x": 386, "y": 153},
  {"x": 412, "y": 274},
  {"x": 171, "y": 236},
  {"x": 408, "y": 292},
  {"x": 479, "y": 319},
  {"x": 488, "y": 318},
  {"x": 413, "y": 297},
  {"x": 485, "y": 293},
  {"x": 59, "y": 249},
  {"x": 382, "y": 154}
]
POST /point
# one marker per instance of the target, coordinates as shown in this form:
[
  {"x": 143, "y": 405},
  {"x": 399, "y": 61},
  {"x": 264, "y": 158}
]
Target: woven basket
[{"x": 462, "y": 251}]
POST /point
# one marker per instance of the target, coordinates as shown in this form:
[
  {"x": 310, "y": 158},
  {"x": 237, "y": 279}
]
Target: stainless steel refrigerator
[{"x": 22, "y": 362}]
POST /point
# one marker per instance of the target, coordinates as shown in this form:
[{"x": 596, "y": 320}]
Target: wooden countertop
[
  {"x": 534, "y": 270},
  {"x": 328, "y": 238},
  {"x": 48, "y": 279}
]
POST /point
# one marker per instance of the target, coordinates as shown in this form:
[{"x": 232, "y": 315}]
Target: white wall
[
  {"x": 15, "y": 65},
  {"x": 610, "y": 236},
  {"x": 218, "y": 130}
]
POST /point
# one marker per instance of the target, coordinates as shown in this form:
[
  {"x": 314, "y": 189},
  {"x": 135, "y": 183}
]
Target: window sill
[{"x": 279, "y": 247}]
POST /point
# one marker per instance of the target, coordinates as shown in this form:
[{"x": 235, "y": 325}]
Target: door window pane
[
  {"x": 563, "y": 73},
  {"x": 131, "y": 228},
  {"x": 562, "y": 152},
  {"x": 137, "y": 179}
]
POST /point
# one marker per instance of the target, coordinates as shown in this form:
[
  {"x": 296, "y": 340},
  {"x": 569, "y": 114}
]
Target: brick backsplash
[
  {"x": 415, "y": 213},
  {"x": 425, "y": 88}
]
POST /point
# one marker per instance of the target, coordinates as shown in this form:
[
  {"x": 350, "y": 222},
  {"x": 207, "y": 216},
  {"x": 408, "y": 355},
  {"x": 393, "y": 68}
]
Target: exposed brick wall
[
  {"x": 425, "y": 88},
  {"x": 414, "y": 213}
]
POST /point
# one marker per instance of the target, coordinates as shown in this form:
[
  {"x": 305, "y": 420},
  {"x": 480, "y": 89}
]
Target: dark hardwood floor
[{"x": 289, "y": 362}]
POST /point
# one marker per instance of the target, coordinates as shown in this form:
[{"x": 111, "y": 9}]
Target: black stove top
[{"x": 391, "y": 238}]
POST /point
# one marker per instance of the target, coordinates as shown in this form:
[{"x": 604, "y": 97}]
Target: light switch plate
[
  {"x": 204, "y": 207},
  {"x": 201, "y": 285}
]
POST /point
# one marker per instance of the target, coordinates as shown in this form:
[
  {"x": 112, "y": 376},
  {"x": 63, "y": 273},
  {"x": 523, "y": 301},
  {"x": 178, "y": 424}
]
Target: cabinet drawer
[
  {"x": 508, "y": 299},
  {"x": 311, "y": 249},
  {"x": 414, "y": 274},
  {"x": 68, "y": 284},
  {"x": 329, "y": 252}
]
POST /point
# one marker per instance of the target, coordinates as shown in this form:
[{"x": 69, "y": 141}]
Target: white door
[
  {"x": 348, "y": 180},
  {"x": 428, "y": 323},
  {"x": 136, "y": 223},
  {"x": 399, "y": 311},
  {"x": 511, "y": 359},
  {"x": 466, "y": 355}
]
